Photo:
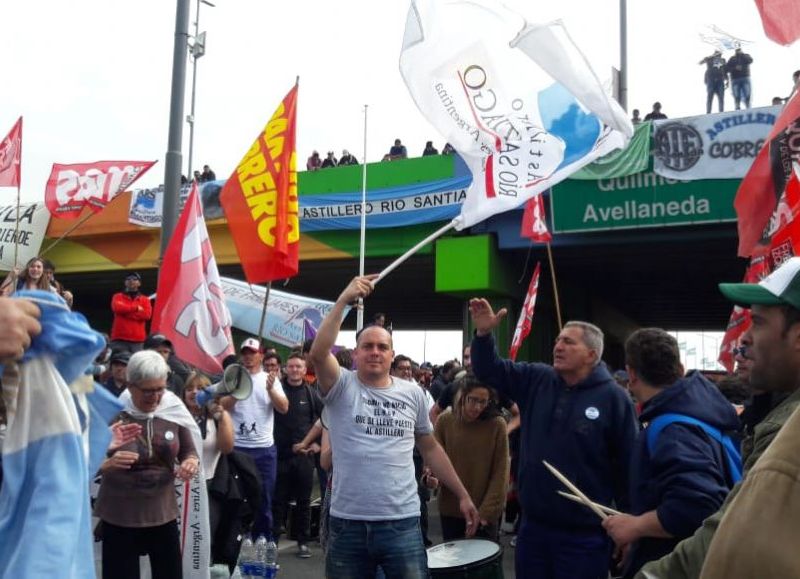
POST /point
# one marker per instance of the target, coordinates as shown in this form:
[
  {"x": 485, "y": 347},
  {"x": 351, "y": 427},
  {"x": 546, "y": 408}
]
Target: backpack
[{"x": 734, "y": 458}]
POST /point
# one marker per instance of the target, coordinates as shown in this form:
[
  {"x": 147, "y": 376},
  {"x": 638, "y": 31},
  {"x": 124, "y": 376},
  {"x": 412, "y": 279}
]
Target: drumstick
[
  {"x": 577, "y": 499},
  {"x": 575, "y": 490}
]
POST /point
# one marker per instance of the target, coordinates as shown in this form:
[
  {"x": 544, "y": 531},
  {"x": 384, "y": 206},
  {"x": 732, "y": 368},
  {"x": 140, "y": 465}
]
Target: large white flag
[{"x": 519, "y": 102}]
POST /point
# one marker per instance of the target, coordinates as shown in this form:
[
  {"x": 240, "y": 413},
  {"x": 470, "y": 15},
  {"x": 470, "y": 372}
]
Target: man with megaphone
[{"x": 253, "y": 419}]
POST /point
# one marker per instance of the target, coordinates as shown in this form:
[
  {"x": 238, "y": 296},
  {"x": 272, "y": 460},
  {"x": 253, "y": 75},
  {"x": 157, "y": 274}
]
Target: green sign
[{"x": 640, "y": 200}]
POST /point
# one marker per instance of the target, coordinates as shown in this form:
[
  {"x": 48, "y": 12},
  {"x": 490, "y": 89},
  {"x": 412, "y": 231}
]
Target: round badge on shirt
[
  {"x": 169, "y": 435},
  {"x": 592, "y": 413}
]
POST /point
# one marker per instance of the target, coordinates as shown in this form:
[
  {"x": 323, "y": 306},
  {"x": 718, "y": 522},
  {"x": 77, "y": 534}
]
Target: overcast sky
[{"x": 92, "y": 77}]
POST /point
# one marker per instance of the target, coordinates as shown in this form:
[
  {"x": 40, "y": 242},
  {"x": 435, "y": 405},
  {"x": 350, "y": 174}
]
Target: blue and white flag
[{"x": 519, "y": 102}]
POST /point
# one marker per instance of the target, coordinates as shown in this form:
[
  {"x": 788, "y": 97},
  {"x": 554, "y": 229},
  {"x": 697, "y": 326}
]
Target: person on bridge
[
  {"x": 772, "y": 357},
  {"x": 374, "y": 420},
  {"x": 655, "y": 114},
  {"x": 715, "y": 79},
  {"x": 131, "y": 310},
  {"x": 576, "y": 417},
  {"x": 679, "y": 474},
  {"x": 738, "y": 67}
]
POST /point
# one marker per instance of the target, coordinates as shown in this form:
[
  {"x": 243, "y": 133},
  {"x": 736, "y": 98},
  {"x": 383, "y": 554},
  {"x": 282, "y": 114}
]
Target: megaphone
[{"x": 235, "y": 382}]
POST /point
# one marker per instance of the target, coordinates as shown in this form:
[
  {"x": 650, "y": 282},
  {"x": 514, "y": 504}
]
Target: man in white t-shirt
[
  {"x": 374, "y": 420},
  {"x": 252, "y": 426}
]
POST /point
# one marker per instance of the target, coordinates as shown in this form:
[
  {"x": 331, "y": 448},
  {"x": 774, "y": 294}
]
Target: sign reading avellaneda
[{"x": 640, "y": 200}]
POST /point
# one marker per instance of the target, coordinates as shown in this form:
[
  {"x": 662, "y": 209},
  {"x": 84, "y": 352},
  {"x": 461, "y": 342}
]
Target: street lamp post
[{"x": 198, "y": 49}]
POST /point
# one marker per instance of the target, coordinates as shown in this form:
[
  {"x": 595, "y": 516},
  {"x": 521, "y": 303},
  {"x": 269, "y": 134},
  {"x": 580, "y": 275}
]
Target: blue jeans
[
  {"x": 357, "y": 548},
  {"x": 740, "y": 87},
  {"x": 548, "y": 553},
  {"x": 266, "y": 460}
]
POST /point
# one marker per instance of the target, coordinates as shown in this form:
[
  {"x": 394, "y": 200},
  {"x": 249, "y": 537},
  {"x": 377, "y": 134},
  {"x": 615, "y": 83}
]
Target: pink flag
[
  {"x": 70, "y": 188},
  {"x": 11, "y": 156},
  {"x": 190, "y": 305},
  {"x": 781, "y": 20},
  {"x": 526, "y": 315},
  {"x": 534, "y": 226}
]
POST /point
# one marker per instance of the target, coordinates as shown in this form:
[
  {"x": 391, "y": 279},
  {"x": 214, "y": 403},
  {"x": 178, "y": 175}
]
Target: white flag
[{"x": 519, "y": 102}]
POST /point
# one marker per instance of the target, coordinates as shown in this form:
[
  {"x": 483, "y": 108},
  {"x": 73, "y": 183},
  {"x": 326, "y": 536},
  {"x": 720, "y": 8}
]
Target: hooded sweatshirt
[
  {"x": 586, "y": 431},
  {"x": 686, "y": 479}
]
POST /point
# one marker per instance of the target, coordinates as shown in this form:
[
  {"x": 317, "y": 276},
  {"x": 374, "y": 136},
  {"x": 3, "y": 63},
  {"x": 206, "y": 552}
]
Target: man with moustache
[{"x": 772, "y": 348}]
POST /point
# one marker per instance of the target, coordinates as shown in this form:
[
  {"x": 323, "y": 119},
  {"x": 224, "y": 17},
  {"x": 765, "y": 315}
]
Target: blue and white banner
[
  {"x": 717, "y": 146},
  {"x": 286, "y": 312}
]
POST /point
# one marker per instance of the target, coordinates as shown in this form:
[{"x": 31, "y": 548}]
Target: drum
[{"x": 466, "y": 558}]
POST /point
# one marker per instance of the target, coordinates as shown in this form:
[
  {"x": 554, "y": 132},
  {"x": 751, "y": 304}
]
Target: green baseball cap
[{"x": 780, "y": 288}]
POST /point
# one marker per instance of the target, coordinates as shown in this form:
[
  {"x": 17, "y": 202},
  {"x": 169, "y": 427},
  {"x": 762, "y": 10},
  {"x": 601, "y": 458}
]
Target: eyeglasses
[
  {"x": 150, "y": 391},
  {"x": 477, "y": 401}
]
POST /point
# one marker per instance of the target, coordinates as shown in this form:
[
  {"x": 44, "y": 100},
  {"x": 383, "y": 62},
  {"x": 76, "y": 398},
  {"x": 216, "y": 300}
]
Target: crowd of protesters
[{"x": 653, "y": 447}]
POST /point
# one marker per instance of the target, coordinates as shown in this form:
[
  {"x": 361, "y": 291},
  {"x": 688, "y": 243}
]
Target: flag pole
[
  {"x": 16, "y": 229},
  {"x": 362, "y": 248},
  {"x": 555, "y": 286},
  {"x": 263, "y": 314},
  {"x": 394, "y": 265},
  {"x": 65, "y": 234}
]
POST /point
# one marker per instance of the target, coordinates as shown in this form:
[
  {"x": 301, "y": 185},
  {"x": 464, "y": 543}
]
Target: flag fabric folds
[
  {"x": 519, "y": 102},
  {"x": 260, "y": 200},
  {"x": 740, "y": 320},
  {"x": 525, "y": 320},
  {"x": 766, "y": 181},
  {"x": 534, "y": 225},
  {"x": 11, "y": 156},
  {"x": 190, "y": 303},
  {"x": 781, "y": 20},
  {"x": 70, "y": 188}
]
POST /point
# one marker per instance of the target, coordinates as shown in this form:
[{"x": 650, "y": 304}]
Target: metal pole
[
  {"x": 194, "y": 89},
  {"x": 173, "y": 162},
  {"x": 623, "y": 54},
  {"x": 363, "y": 243}
]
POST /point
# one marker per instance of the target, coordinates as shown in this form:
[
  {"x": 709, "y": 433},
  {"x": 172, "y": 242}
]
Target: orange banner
[{"x": 260, "y": 200}]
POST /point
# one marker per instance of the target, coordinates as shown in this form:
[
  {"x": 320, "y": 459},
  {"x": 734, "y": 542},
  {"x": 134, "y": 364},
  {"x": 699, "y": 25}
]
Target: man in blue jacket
[
  {"x": 576, "y": 417},
  {"x": 680, "y": 474}
]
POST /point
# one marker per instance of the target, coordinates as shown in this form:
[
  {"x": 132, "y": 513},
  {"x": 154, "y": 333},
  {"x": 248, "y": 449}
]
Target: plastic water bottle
[
  {"x": 260, "y": 559},
  {"x": 246, "y": 558},
  {"x": 271, "y": 560}
]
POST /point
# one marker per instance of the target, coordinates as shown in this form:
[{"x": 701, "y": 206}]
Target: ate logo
[
  {"x": 678, "y": 146},
  {"x": 206, "y": 311}
]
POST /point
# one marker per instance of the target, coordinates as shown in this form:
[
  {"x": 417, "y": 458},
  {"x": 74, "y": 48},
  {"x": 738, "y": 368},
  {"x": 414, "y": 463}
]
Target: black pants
[
  {"x": 456, "y": 528},
  {"x": 294, "y": 481},
  {"x": 123, "y": 545}
]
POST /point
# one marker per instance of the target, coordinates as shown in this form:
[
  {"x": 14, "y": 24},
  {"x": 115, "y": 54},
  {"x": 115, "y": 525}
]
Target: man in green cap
[{"x": 774, "y": 355}]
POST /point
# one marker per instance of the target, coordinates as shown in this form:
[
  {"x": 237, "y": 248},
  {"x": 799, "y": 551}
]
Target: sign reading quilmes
[
  {"x": 718, "y": 146},
  {"x": 640, "y": 200}
]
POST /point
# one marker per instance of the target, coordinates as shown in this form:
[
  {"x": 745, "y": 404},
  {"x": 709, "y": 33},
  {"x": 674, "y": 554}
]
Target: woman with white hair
[{"x": 136, "y": 502}]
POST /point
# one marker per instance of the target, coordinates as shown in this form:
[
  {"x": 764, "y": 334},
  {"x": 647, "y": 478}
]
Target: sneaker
[{"x": 303, "y": 551}]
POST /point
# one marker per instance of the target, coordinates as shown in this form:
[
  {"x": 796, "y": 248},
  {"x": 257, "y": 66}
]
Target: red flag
[
  {"x": 526, "y": 315},
  {"x": 11, "y": 156},
  {"x": 260, "y": 200},
  {"x": 781, "y": 20},
  {"x": 740, "y": 320},
  {"x": 766, "y": 180},
  {"x": 70, "y": 188},
  {"x": 534, "y": 226},
  {"x": 190, "y": 306}
]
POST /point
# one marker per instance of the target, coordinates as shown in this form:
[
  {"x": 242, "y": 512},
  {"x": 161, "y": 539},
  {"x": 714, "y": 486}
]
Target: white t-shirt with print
[
  {"x": 372, "y": 433},
  {"x": 253, "y": 417}
]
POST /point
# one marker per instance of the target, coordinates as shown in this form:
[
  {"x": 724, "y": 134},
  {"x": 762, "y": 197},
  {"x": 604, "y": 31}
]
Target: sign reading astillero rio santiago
[{"x": 640, "y": 200}]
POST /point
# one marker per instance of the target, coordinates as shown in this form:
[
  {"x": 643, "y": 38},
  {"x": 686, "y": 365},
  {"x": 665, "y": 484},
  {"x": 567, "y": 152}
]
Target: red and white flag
[
  {"x": 70, "y": 188},
  {"x": 190, "y": 304},
  {"x": 534, "y": 225},
  {"x": 766, "y": 181},
  {"x": 11, "y": 156},
  {"x": 740, "y": 321},
  {"x": 526, "y": 315}
]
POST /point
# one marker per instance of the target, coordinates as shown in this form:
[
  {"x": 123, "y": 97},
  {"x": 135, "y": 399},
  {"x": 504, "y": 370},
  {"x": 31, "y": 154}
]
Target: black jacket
[
  {"x": 686, "y": 479},
  {"x": 586, "y": 431}
]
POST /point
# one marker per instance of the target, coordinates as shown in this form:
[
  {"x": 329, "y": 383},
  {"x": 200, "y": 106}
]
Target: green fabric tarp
[{"x": 632, "y": 159}]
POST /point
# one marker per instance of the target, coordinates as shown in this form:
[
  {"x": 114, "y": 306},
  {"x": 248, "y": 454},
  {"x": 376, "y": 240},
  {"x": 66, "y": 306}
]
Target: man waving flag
[{"x": 519, "y": 102}]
